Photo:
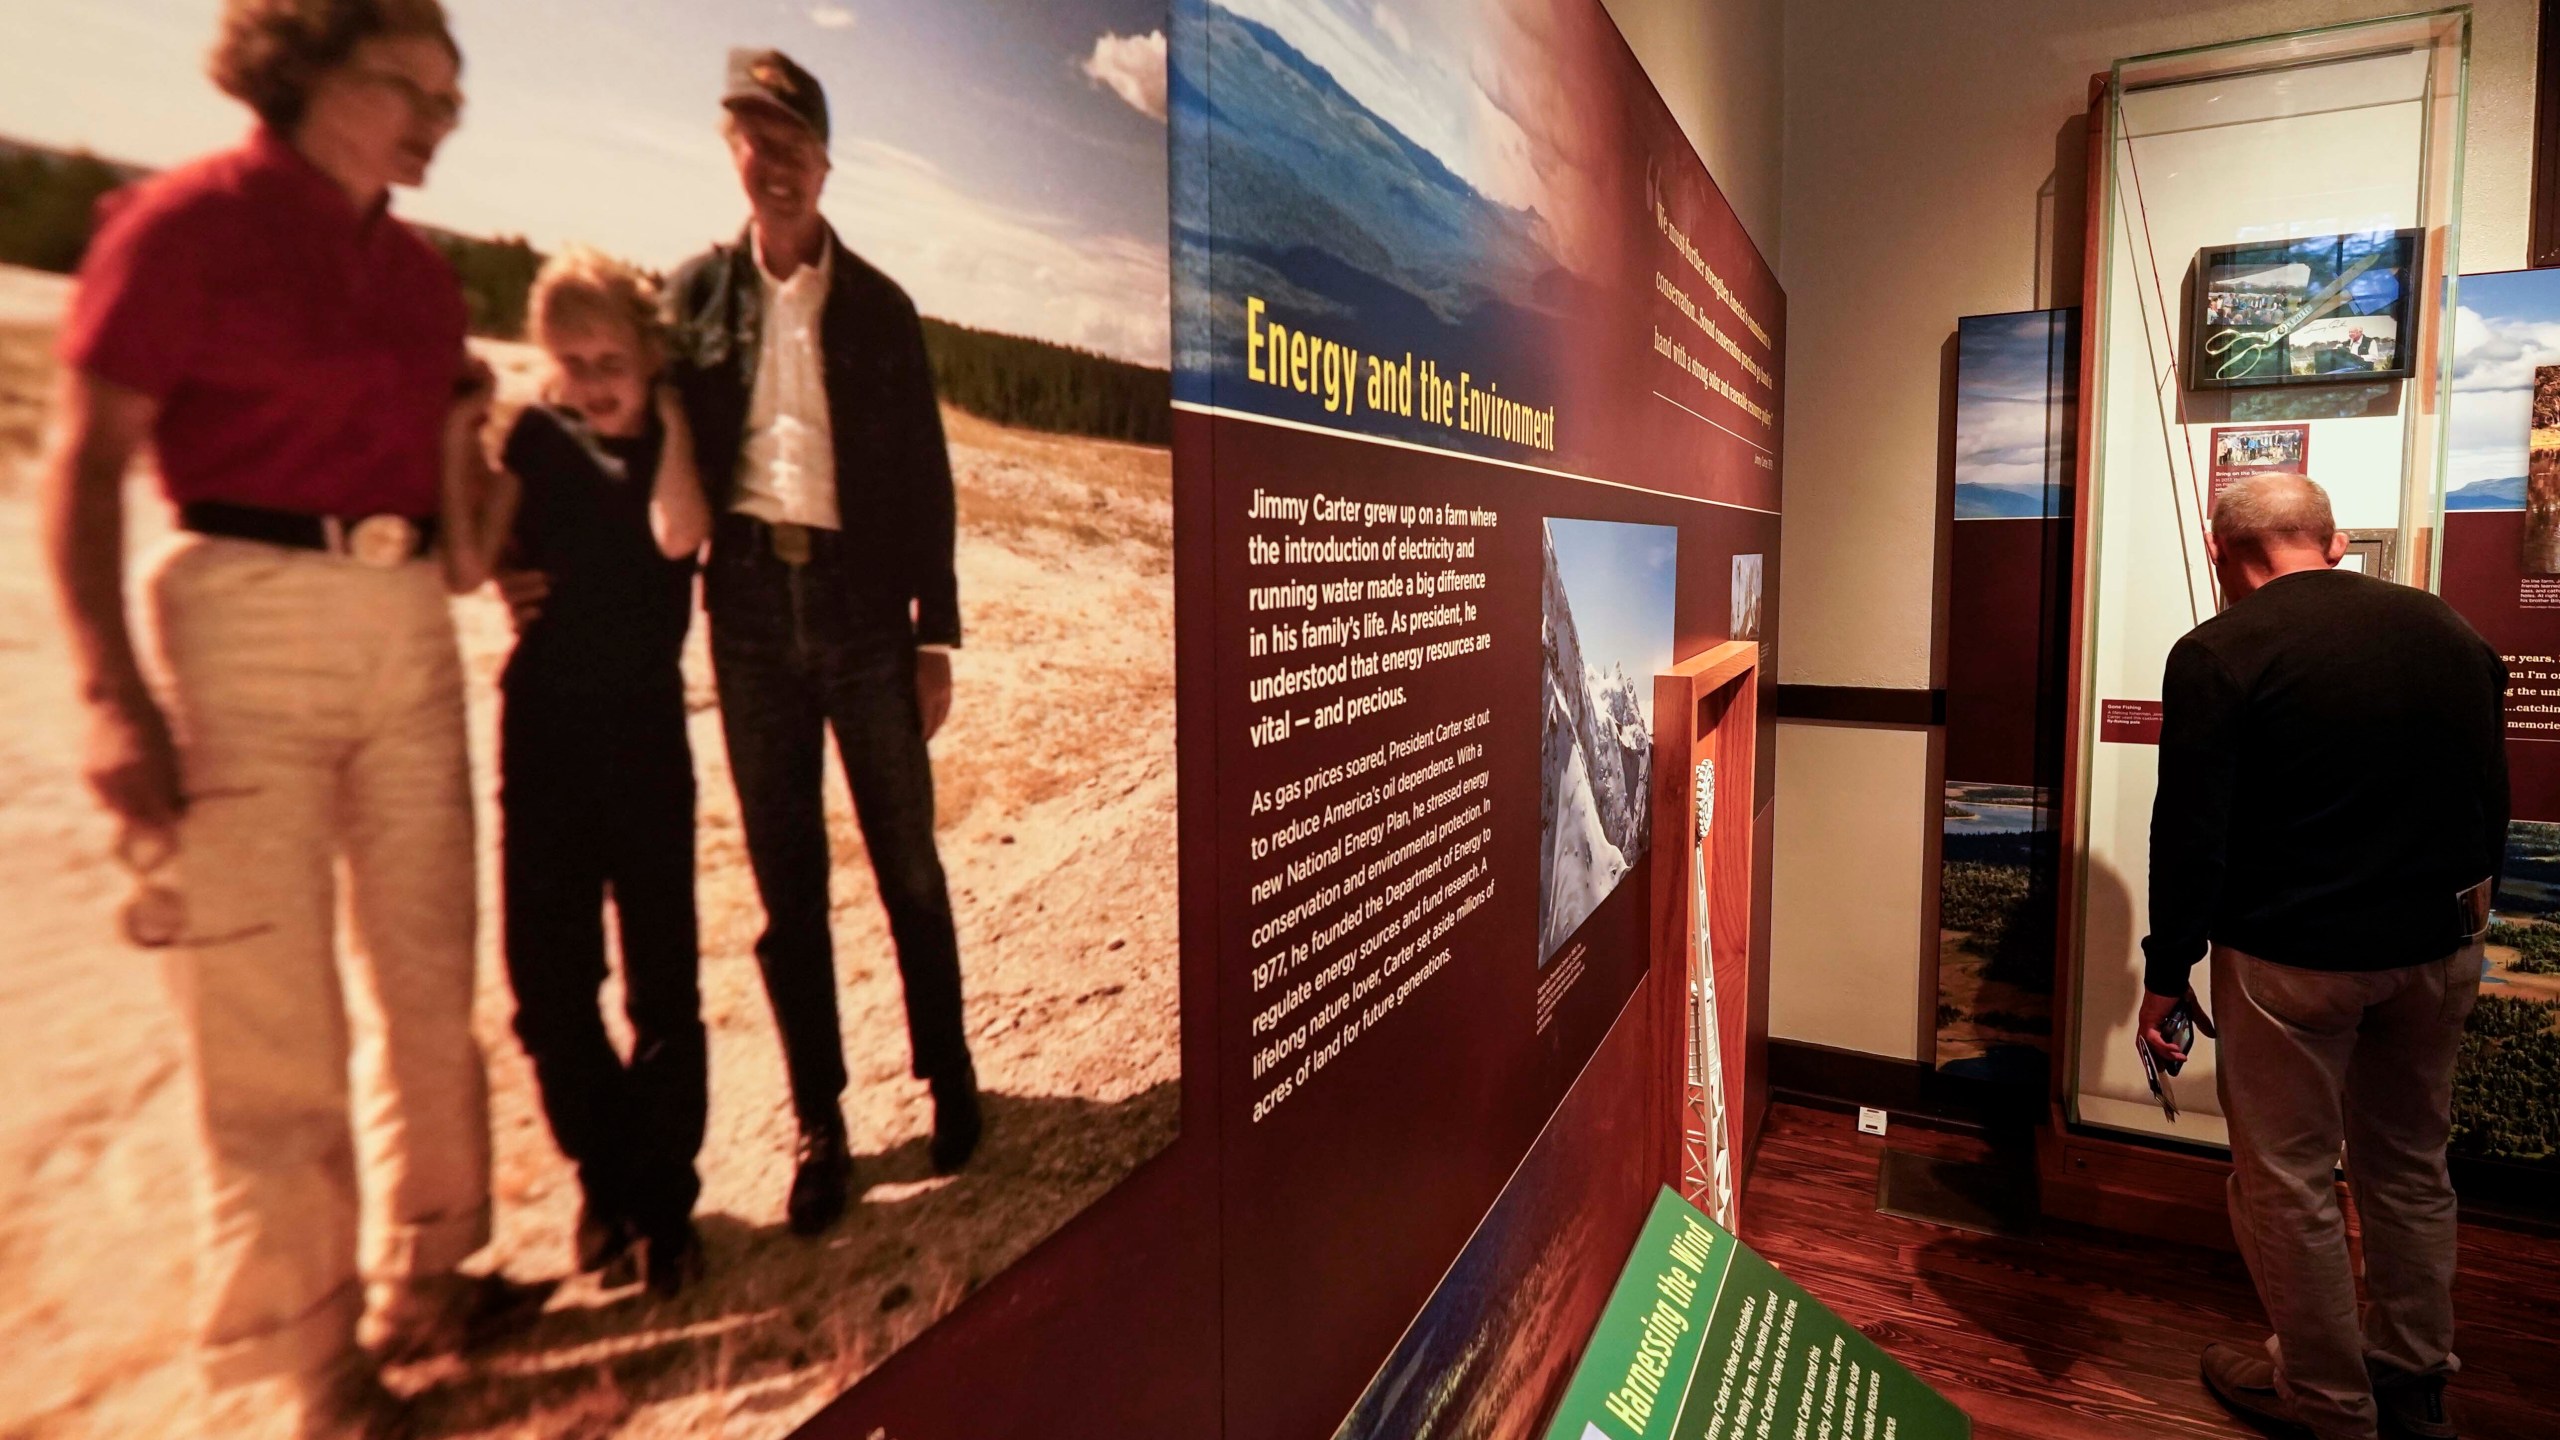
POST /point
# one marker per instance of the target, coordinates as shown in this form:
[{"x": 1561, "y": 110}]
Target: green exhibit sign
[{"x": 1704, "y": 1340}]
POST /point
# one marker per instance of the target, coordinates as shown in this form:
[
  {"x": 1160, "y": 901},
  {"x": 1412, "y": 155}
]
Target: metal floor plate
[{"x": 1987, "y": 1199}]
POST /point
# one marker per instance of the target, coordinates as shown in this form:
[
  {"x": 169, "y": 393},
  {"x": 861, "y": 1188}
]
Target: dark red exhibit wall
[
  {"x": 1281, "y": 1267},
  {"x": 2483, "y": 581},
  {"x": 2004, "y": 627},
  {"x": 1344, "y": 1206}
]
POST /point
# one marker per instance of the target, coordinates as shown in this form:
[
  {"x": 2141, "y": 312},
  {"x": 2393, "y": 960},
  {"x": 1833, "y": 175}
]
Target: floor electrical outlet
[{"x": 1870, "y": 1120}]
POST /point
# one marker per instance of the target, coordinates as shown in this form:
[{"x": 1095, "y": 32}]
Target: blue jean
[{"x": 799, "y": 649}]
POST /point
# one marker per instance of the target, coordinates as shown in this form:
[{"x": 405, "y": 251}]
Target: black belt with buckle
[
  {"x": 382, "y": 540},
  {"x": 794, "y": 545}
]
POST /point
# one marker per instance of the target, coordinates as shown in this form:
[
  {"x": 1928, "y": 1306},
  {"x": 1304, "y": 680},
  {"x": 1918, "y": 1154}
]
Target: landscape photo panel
[
  {"x": 2502, "y": 504},
  {"x": 2015, "y": 425}
]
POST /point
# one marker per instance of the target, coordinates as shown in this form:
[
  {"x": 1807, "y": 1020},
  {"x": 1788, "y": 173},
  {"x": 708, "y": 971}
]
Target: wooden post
[{"x": 1707, "y": 707}]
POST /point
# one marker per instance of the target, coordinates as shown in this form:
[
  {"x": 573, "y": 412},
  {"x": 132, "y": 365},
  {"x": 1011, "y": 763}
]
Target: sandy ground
[
  {"x": 2503, "y": 979},
  {"x": 1056, "y": 818}
]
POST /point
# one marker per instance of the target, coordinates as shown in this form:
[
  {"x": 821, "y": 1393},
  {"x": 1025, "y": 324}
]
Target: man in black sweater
[{"x": 2331, "y": 813}]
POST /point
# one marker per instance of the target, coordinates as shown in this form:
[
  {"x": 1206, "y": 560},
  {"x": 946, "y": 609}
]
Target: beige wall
[
  {"x": 1846, "y": 898},
  {"x": 1719, "y": 67},
  {"x": 1920, "y": 150},
  {"x": 1920, "y": 184}
]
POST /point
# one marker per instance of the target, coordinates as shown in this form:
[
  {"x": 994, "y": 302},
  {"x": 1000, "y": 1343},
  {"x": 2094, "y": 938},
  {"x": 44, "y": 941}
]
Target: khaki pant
[
  {"x": 2309, "y": 1061},
  {"x": 318, "y": 708}
]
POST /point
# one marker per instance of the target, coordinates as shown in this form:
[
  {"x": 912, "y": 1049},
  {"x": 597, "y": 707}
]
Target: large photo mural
[
  {"x": 859, "y": 719},
  {"x": 818, "y": 974}
]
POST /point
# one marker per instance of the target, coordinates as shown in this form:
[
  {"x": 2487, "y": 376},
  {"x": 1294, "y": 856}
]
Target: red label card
[{"x": 2129, "y": 722}]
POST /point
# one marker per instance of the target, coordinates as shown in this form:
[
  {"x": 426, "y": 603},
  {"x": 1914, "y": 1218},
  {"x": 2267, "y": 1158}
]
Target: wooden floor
[{"x": 2077, "y": 1334}]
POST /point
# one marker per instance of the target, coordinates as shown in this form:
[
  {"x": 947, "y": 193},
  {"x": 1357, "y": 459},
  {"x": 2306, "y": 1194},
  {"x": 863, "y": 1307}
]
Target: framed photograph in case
[
  {"x": 2312, "y": 310},
  {"x": 2240, "y": 451},
  {"x": 2372, "y": 552}
]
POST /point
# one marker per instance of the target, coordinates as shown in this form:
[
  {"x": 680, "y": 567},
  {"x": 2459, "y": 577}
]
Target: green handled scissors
[{"x": 2238, "y": 350}]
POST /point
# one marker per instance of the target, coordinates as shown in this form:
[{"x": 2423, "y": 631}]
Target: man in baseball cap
[
  {"x": 831, "y": 607},
  {"x": 770, "y": 80}
]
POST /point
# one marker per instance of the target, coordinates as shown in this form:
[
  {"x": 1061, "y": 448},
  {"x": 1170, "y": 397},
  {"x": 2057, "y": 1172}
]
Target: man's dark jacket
[{"x": 893, "y": 475}]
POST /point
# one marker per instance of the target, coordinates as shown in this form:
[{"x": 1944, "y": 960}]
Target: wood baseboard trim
[
  {"x": 1827, "y": 1078},
  {"x": 1861, "y": 705}
]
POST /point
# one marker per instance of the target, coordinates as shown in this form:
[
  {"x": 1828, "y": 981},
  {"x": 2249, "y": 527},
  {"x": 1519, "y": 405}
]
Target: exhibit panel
[
  {"x": 1217, "y": 484},
  {"x": 2502, "y": 504},
  {"x": 1488, "y": 402},
  {"x": 2007, "y": 611},
  {"x": 597, "y": 831},
  {"x": 2272, "y": 226}
]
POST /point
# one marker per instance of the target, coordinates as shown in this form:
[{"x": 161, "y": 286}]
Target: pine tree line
[
  {"x": 48, "y": 204},
  {"x": 1040, "y": 386}
]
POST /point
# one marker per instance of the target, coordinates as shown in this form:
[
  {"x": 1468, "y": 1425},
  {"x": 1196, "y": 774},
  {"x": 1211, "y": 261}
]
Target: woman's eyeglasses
[{"x": 435, "y": 109}]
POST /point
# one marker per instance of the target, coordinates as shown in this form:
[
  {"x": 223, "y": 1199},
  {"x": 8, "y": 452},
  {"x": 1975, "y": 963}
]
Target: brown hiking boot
[{"x": 2243, "y": 1378}]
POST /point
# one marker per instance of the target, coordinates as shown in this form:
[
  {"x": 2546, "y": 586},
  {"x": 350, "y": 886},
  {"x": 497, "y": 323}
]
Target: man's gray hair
[{"x": 2273, "y": 508}]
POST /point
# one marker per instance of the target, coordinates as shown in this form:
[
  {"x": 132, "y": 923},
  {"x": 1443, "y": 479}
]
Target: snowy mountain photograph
[{"x": 1607, "y": 628}]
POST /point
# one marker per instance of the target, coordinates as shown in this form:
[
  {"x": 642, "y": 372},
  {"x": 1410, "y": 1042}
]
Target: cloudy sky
[
  {"x": 2504, "y": 326},
  {"x": 2003, "y": 409},
  {"x": 1416, "y": 64},
  {"x": 1620, "y": 578},
  {"x": 1004, "y": 160},
  {"x": 1512, "y": 95}
]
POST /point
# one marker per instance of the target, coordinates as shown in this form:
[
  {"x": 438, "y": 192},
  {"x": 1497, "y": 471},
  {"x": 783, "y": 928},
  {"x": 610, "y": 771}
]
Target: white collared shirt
[{"x": 787, "y": 469}]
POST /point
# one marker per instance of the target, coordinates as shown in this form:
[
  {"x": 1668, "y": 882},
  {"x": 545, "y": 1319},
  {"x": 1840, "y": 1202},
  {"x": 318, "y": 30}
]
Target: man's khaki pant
[
  {"x": 2308, "y": 1061},
  {"x": 318, "y": 708}
]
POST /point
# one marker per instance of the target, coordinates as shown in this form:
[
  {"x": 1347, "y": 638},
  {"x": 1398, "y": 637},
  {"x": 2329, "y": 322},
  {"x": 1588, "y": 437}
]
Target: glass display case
[{"x": 2274, "y": 225}]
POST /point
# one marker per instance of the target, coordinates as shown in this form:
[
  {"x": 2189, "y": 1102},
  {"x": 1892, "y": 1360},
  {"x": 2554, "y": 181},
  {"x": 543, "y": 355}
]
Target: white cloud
[
  {"x": 1132, "y": 67},
  {"x": 2501, "y": 354},
  {"x": 2006, "y": 441},
  {"x": 659, "y": 191},
  {"x": 1418, "y": 68},
  {"x": 1392, "y": 25},
  {"x": 974, "y": 263},
  {"x": 831, "y": 17},
  {"x": 2493, "y": 363}
]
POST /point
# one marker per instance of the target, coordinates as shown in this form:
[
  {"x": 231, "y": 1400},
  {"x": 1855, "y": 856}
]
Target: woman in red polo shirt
[{"x": 292, "y": 355}]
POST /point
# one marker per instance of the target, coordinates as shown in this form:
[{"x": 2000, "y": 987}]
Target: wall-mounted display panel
[
  {"x": 2498, "y": 572},
  {"x": 1480, "y": 380},
  {"x": 1327, "y": 475},
  {"x": 1050, "y": 802},
  {"x": 2008, "y": 580}
]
